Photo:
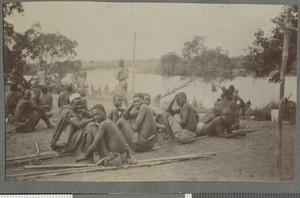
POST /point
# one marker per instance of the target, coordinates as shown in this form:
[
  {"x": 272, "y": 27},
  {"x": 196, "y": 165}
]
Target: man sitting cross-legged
[
  {"x": 183, "y": 130},
  {"x": 105, "y": 138},
  {"x": 70, "y": 129},
  {"x": 218, "y": 126},
  {"x": 27, "y": 115},
  {"x": 117, "y": 111},
  {"x": 139, "y": 134}
]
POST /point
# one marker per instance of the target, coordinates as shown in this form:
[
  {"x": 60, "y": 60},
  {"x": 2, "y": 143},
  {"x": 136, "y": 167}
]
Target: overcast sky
[{"x": 104, "y": 31}]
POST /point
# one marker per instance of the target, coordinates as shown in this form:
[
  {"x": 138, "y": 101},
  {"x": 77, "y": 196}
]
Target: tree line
[
  {"x": 51, "y": 52},
  {"x": 263, "y": 59}
]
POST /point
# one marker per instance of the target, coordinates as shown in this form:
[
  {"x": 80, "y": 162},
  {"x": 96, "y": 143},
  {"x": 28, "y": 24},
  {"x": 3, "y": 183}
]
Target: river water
[{"x": 259, "y": 91}]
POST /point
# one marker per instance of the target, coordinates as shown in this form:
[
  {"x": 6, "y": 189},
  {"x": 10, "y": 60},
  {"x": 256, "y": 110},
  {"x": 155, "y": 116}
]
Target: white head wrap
[{"x": 74, "y": 96}]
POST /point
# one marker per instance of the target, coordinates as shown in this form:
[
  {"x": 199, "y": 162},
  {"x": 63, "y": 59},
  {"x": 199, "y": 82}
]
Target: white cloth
[{"x": 74, "y": 96}]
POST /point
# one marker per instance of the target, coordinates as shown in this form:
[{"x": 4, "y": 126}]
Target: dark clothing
[
  {"x": 66, "y": 134},
  {"x": 11, "y": 103}
]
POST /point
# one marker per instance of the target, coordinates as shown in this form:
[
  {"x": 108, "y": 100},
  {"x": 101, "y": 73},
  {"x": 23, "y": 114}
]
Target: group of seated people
[
  {"x": 25, "y": 111},
  {"x": 87, "y": 132}
]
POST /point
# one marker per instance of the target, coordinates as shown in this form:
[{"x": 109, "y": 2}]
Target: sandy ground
[{"x": 251, "y": 158}]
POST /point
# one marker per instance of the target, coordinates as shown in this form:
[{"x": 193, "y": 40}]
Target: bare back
[
  {"x": 46, "y": 99},
  {"x": 219, "y": 106},
  {"x": 23, "y": 110},
  {"x": 113, "y": 137}
]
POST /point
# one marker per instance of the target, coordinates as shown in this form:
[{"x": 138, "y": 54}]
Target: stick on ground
[{"x": 93, "y": 168}]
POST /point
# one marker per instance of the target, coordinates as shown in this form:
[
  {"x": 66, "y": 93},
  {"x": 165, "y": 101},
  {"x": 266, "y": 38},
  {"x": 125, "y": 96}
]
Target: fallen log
[{"x": 79, "y": 168}]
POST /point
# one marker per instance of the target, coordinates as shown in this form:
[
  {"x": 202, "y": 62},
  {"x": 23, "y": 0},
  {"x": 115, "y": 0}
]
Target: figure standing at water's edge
[{"x": 122, "y": 77}]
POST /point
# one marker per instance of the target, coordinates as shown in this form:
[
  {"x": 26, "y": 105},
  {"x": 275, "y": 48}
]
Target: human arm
[
  {"x": 86, "y": 113},
  {"x": 170, "y": 107},
  {"x": 114, "y": 115},
  {"x": 78, "y": 124},
  {"x": 140, "y": 118},
  {"x": 229, "y": 134},
  {"x": 94, "y": 145},
  {"x": 126, "y": 114}
]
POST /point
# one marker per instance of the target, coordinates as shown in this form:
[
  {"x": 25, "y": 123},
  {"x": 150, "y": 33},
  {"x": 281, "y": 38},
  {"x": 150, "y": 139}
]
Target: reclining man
[
  {"x": 183, "y": 130},
  {"x": 219, "y": 106},
  {"x": 70, "y": 129},
  {"x": 106, "y": 138},
  {"x": 139, "y": 134},
  {"x": 218, "y": 126},
  {"x": 28, "y": 115}
]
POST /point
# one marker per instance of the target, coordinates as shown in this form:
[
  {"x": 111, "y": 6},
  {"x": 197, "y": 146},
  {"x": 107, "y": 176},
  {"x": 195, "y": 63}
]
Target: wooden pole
[
  {"x": 92, "y": 168},
  {"x": 133, "y": 62},
  {"x": 285, "y": 54}
]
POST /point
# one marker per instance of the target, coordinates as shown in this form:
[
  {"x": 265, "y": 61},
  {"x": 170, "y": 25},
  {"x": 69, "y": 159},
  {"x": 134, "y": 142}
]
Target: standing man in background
[{"x": 122, "y": 76}]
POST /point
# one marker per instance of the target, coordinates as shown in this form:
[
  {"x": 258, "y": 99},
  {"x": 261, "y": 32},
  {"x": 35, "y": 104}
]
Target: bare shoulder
[{"x": 107, "y": 123}]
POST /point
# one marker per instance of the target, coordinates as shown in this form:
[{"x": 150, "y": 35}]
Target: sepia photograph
[{"x": 139, "y": 92}]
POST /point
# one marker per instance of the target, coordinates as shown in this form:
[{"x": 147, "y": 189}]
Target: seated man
[
  {"x": 36, "y": 97},
  {"x": 183, "y": 130},
  {"x": 117, "y": 112},
  {"x": 244, "y": 108},
  {"x": 27, "y": 115},
  {"x": 235, "y": 98},
  {"x": 11, "y": 101},
  {"x": 105, "y": 138},
  {"x": 219, "y": 106},
  {"x": 82, "y": 93},
  {"x": 63, "y": 98},
  {"x": 218, "y": 125},
  {"x": 139, "y": 134},
  {"x": 46, "y": 98},
  {"x": 148, "y": 101},
  {"x": 70, "y": 129}
]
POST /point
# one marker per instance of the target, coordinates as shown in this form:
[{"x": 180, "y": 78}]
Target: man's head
[
  {"x": 117, "y": 100},
  {"x": 121, "y": 63},
  {"x": 69, "y": 88},
  {"x": 228, "y": 94},
  {"x": 45, "y": 89},
  {"x": 231, "y": 87},
  {"x": 99, "y": 113},
  {"x": 81, "y": 92},
  {"x": 226, "y": 115},
  {"x": 14, "y": 88},
  {"x": 138, "y": 100},
  {"x": 76, "y": 102},
  {"x": 26, "y": 95},
  {"x": 181, "y": 98},
  {"x": 37, "y": 93},
  {"x": 147, "y": 98}
]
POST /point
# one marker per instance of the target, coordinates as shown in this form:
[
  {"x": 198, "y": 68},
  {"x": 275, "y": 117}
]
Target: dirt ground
[{"x": 251, "y": 158}]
